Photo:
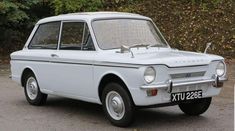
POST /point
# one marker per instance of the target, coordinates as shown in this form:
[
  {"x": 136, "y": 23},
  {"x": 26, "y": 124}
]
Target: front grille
[{"x": 187, "y": 75}]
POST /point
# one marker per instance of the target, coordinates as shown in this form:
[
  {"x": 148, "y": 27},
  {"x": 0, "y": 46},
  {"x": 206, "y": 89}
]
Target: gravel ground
[{"x": 66, "y": 114}]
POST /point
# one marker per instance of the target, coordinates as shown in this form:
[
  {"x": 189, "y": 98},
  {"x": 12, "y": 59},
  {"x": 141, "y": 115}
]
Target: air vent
[{"x": 187, "y": 75}]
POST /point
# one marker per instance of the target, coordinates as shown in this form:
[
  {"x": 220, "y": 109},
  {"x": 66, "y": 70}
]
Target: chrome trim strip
[
  {"x": 60, "y": 32},
  {"x": 153, "y": 64},
  {"x": 166, "y": 85},
  {"x": 111, "y": 64},
  {"x": 81, "y": 63}
]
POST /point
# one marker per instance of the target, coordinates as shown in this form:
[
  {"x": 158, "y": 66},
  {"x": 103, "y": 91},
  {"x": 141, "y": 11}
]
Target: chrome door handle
[{"x": 54, "y": 55}]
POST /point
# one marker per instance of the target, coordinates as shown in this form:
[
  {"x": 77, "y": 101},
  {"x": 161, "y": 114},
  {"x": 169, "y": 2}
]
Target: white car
[{"x": 119, "y": 60}]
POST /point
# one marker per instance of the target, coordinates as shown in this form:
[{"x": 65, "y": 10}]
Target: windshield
[{"x": 114, "y": 33}]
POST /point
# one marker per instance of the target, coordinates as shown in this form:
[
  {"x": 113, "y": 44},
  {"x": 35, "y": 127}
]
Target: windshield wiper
[
  {"x": 139, "y": 45},
  {"x": 125, "y": 48},
  {"x": 156, "y": 45}
]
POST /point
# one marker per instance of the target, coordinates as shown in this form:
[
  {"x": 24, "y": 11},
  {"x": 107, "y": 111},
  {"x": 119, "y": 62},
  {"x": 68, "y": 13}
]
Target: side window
[
  {"x": 75, "y": 36},
  {"x": 46, "y": 36},
  {"x": 87, "y": 40}
]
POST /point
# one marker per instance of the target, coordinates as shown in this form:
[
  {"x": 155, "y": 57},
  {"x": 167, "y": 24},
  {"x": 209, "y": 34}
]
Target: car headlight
[
  {"x": 220, "y": 69},
  {"x": 149, "y": 74}
]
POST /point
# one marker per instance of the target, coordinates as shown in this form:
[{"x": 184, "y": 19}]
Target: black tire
[
  {"x": 127, "y": 118},
  {"x": 196, "y": 107},
  {"x": 40, "y": 97}
]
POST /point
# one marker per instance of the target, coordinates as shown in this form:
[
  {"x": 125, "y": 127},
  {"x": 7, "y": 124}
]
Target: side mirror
[{"x": 207, "y": 46}]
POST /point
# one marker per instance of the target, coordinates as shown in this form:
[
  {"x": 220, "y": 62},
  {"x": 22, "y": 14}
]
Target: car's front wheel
[
  {"x": 196, "y": 107},
  {"x": 117, "y": 105},
  {"x": 32, "y": 91}
]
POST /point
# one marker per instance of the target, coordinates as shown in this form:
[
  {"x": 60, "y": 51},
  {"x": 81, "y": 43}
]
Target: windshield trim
[{"x": 154, "y": 25}]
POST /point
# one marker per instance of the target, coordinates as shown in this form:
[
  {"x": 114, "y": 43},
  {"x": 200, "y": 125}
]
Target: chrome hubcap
[
  {"x": 32, "y": 88},
  {"x": 115, "y": 105}
]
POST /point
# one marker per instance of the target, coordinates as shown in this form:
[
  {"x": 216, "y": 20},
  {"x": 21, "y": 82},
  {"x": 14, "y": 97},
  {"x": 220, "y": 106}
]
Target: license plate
[{"x": 183, "y": 96}]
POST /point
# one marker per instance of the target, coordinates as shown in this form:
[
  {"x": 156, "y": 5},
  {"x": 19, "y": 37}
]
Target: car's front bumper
[
  {"x": 168, "y": 85},
  {"x": 164, "y": 90}
]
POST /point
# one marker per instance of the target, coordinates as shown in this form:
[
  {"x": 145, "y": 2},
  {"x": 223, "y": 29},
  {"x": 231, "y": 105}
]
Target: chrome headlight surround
[
  {"x": 220, "y": 69},
  {"x": 149, "y": 75}
]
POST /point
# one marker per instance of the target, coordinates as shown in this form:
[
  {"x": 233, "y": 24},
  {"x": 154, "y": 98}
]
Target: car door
[
  {"x": 73, "y": 62},
  {"x": 40, "y": 52}
]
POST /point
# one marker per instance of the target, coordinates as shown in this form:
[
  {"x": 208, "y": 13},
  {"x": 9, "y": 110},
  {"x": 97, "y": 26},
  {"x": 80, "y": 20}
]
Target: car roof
[{"x": 89, "y": 16}]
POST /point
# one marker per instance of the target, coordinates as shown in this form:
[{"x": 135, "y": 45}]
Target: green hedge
[{"x": 187, "y": 25}]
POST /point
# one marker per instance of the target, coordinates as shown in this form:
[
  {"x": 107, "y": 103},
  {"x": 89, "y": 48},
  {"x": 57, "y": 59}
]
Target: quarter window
[
  {"x": 75, "y": 36},
  {"x": 46, "y": 36}
]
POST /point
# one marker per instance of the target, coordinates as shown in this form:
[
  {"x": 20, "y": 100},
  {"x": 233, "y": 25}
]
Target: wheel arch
[
  {"x": 25, "y": 71},
  {"x": 112, "y": 77}
]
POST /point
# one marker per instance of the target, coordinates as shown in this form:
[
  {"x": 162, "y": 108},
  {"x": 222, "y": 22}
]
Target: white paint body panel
[{"x": 77, "y": 74}]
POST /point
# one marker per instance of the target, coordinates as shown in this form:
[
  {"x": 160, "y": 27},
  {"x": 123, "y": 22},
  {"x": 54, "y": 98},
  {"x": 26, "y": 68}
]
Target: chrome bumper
[{"x": 170, "y": 84}]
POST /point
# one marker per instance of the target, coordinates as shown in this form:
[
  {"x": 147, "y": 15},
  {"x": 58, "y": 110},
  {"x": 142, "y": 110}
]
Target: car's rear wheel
[
  {"x": 32, "y": 91},
  {"x": 196, "y": 107},
  {"x": 117, "y": 105}
]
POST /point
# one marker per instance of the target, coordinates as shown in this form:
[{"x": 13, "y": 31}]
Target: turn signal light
[{"x": 152, "y": 92}]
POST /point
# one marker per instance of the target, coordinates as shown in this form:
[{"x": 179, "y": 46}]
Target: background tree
[
  {"x": 17, "y": 19},
  {"x": 186, "y": 24}
]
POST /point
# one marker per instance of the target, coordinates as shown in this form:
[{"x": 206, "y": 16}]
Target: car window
[
  {"x": 87, "y": 40},
  {"x": 46, "y": 36},
  {"x": 75, "y": 36},
  {"x": 113, "y": 33}
]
